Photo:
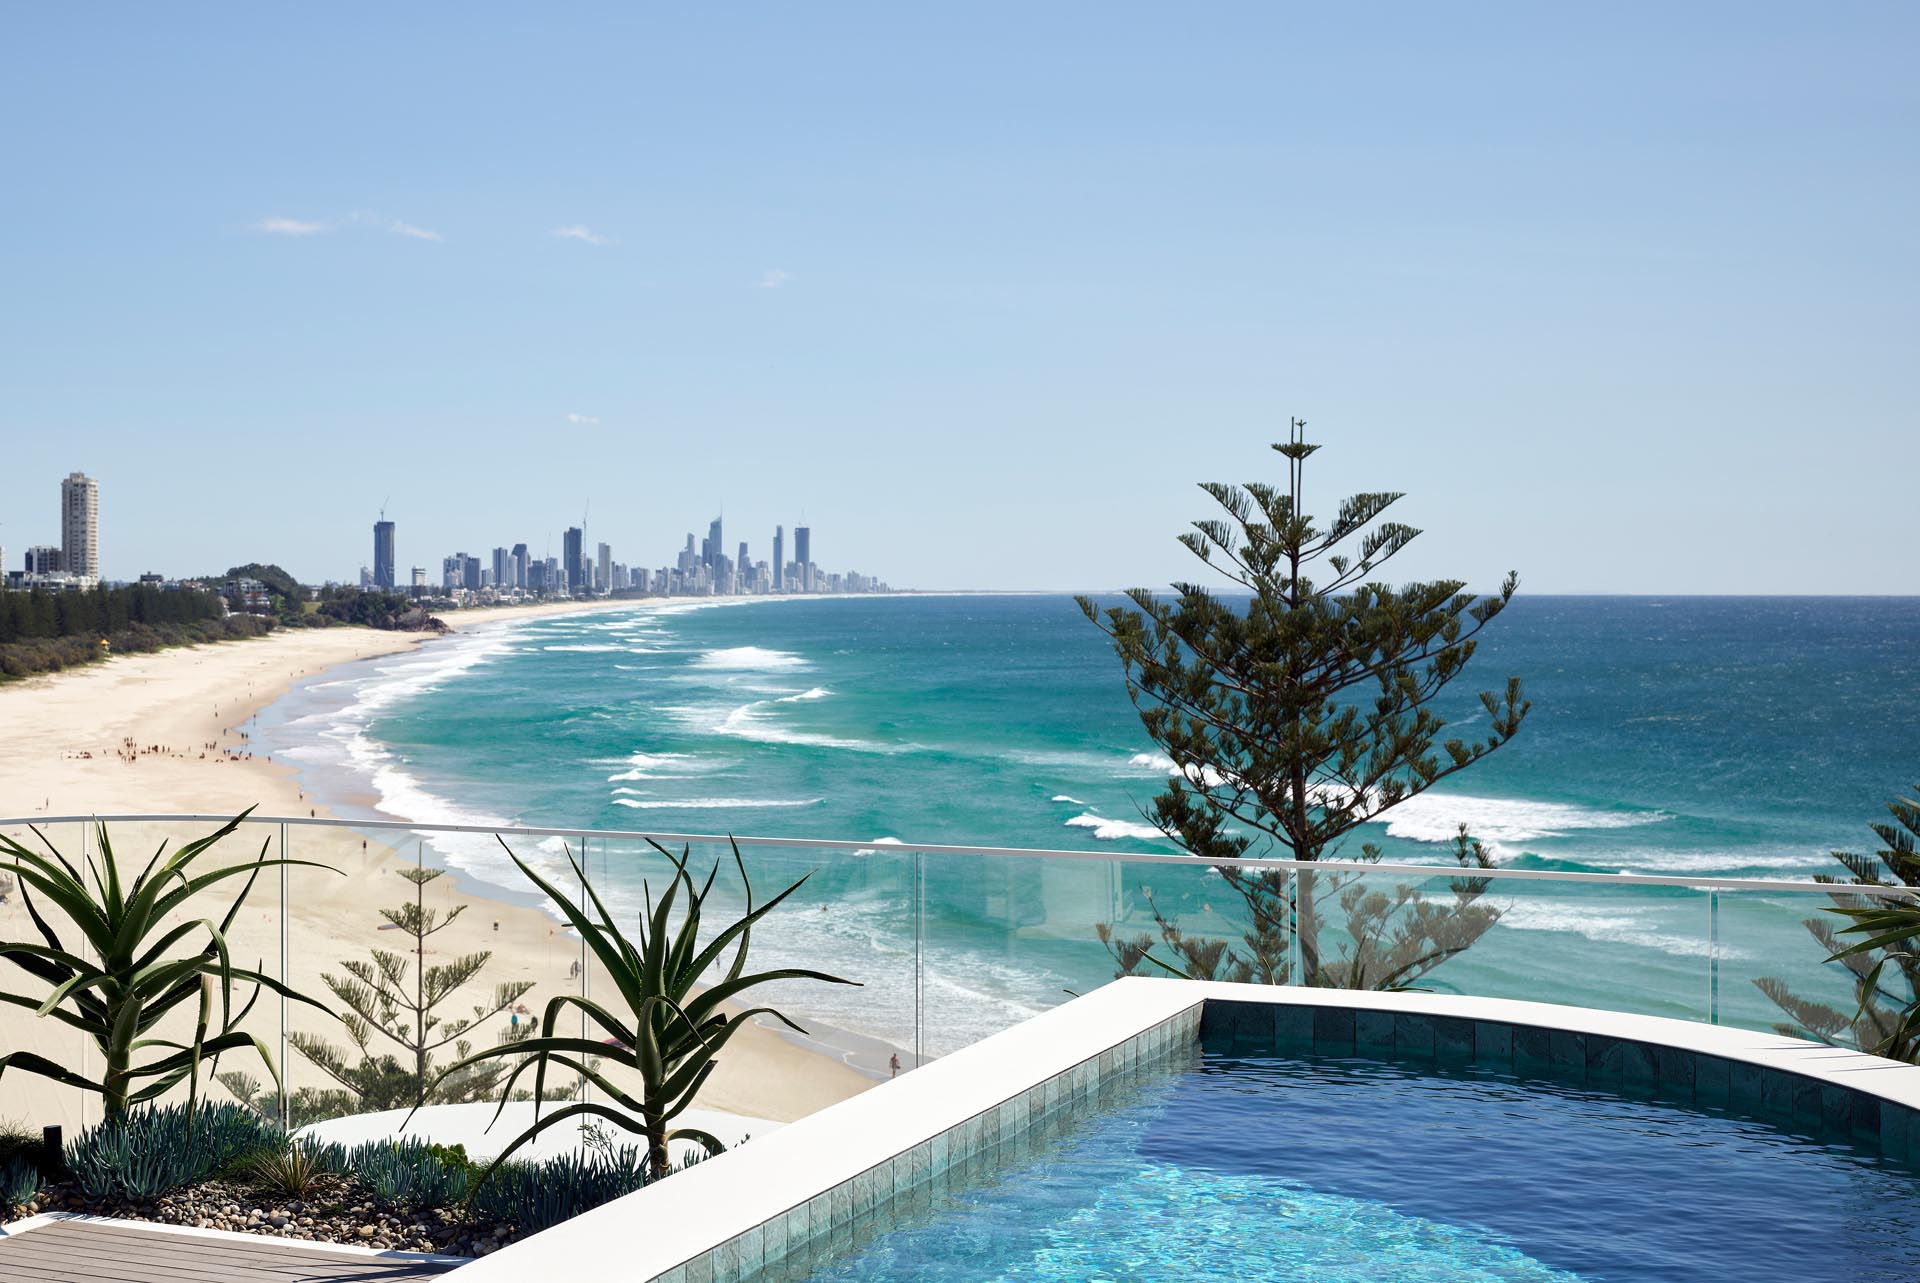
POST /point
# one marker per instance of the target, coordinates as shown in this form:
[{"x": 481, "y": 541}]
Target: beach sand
[{"x": 159, "y": 733}]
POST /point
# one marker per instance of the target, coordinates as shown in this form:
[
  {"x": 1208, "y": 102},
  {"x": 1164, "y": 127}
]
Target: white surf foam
[
  {"x": 755, "y": 722},
  {"x": 749, "y": 659},
  {"x": 651, "y": 766},
  {"x": 713, "y": 803},
  {"x": 1609, "y": 925},
  {"x": 1160, "y": 764},
  {"x": 1434, "y": 817},
  {"x": 1062, "y": 797},
  {"x": 1106, "y": 830}
]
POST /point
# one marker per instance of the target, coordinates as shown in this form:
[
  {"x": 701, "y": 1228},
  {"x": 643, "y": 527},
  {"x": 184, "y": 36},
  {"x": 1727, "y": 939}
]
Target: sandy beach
[{"x": 160, "y": 733}]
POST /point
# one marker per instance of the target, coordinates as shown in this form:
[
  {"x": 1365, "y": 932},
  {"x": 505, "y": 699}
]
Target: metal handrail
[{"x": 1776, "y": 885}]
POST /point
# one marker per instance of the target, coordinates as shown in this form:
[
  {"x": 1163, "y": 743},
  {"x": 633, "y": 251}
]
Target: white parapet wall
[{"x": 485, "y": 1129}]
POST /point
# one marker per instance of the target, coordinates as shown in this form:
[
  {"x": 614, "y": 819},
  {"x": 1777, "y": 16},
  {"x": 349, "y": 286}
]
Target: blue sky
[{"x": 1623, "y": 296}]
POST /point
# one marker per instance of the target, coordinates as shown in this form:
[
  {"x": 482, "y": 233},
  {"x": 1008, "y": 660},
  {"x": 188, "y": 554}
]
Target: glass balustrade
[{"x": 946, "y": 946}]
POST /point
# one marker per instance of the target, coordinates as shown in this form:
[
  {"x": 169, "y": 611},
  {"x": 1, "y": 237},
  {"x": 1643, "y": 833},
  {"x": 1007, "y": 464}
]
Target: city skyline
[
  {"x": 76, "y": 561},
  {"x": 513, "y": 573}
]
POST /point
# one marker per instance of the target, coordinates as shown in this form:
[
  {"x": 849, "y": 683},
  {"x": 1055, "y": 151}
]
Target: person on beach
[{"x": 893, "y": 1065}]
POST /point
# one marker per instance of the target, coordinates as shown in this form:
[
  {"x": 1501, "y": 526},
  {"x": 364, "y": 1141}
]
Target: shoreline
[
  {"x": 345, "y": 796},
  {"x": 166, "y": 733}
]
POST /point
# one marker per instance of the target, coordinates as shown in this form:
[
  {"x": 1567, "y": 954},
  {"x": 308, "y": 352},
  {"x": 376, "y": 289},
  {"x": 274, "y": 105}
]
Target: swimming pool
[{"x": 1336, "y": 1169}]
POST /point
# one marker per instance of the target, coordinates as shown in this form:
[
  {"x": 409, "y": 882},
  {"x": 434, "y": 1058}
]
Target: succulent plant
[{"x": 152, "y": 1151}]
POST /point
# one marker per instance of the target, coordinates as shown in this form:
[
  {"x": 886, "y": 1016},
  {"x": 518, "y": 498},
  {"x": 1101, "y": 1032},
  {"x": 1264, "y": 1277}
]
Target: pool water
[{"x": 1335, "y": 1170}]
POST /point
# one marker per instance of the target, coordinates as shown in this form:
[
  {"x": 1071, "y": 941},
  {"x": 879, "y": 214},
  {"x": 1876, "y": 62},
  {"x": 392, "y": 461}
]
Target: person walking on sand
[{"x": 893, "y": 1065}]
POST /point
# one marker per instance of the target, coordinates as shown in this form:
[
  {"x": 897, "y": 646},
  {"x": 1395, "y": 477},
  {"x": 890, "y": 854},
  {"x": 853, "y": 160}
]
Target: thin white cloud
[
  {"x": 582, "y": 418},
  {"x": 773, "y": 278},
  {"x": 581, "y": 232},
  {"x": 399, "y": 228},
  {"x": 290, "y": 227}
]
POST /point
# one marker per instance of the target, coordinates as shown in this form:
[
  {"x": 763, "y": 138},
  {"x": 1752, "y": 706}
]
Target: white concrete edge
[
  {"x": 1890, "y": 1080},
  {"x": 16, "y": 1228},
  {"x": 657, "y": 1228},
  {"x": 651, "y": 1230}
]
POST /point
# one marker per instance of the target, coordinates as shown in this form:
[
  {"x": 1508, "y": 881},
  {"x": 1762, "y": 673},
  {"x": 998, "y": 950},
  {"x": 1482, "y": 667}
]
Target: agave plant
[
  {"x": 127, "y": 971},
  {"x": 666, "y": 1033}
]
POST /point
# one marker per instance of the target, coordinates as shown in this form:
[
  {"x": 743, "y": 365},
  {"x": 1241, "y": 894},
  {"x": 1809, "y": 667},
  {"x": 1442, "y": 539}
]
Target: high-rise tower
[
  {"x": 779, "y": 558},
  {"x": 803, "y": 555},
  {"x": 80, "y": 526},
  {"x": 576, "y": 577},
  {"x": 715, "y": 548},
  {"x": 383, "y": 556}
]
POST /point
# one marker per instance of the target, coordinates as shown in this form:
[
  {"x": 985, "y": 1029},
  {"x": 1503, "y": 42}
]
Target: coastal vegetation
[
  {"x": 664, "y": 1032},
  {"x": 393, "y": 999},
  {"x": 234, "y": 1165},
  {"x": 1298, "y": 719},
  {"x": 222, "y": 1166},
  {"x": 1883, "y": 970},
  {"x": 120, "y": 966},
  {"x": 45, "y": 632}
]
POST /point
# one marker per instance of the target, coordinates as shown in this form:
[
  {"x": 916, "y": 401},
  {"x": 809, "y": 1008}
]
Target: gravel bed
[{"x": 336, "y": 1210}]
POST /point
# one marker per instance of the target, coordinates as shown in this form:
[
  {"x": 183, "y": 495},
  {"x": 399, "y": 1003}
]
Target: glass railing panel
[
  {"x": 29, "y": 1101},
  {"x": 842, "y": 919},
  {"x": 1773, "y": 972},
  {"x": 349, "y": 903},
  {"x": 1603, "y": 944},
  {"x": 252, "y": 939},
  {"x": 1006, "y": 937}
]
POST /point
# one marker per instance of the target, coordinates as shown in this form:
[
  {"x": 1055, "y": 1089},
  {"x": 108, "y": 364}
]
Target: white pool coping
[{"x": 655, "y": 1232}]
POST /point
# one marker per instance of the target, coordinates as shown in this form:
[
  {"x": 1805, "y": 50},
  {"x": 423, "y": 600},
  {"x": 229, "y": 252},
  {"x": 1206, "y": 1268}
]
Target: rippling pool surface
[{"x": 1328, "y": 1170}]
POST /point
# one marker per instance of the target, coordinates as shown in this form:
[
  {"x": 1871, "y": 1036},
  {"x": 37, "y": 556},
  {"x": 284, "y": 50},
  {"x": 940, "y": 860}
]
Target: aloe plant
[
  {"x": 664, "y": 1031},
  {"x": 126, "y": 972}
]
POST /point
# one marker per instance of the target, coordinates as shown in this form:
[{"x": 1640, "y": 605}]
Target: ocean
[{"x": 1745, "y": 737}]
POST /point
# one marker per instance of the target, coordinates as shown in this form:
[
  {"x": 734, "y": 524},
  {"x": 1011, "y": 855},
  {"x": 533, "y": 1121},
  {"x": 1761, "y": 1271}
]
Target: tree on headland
[
  {"x": 1299, "y": 719},
  {"x": 1883, "y": 971}
]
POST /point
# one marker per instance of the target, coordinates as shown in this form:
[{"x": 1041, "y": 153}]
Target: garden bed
[{"x": 223, "y": 1167}]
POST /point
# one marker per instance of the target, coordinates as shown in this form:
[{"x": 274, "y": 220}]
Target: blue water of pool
[{"x": 1333, "y": 1170}]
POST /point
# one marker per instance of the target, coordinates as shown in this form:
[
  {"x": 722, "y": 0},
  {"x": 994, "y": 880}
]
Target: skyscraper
[
  {"x": 383, "y": 555},
  {"x": 80, "y": 526},
  {"x": 803, "y": 555},
  {"x": 520, "y": 555},
  {"x": 779, "y": 558},
  {"x": 502, "y": 568},
  {"x": 605, "y": 579},
  {"x": 715, "y": 548},
  {"x": 576, "y": 578}
]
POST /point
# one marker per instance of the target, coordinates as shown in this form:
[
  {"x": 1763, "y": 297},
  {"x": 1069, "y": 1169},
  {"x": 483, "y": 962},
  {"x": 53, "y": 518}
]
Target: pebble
[{"x": 320, "y": 1218}]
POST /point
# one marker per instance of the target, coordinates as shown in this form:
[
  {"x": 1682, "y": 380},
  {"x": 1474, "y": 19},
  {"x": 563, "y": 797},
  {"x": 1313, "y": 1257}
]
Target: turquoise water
[
  {"x": 1331, "y": 1170},
  {"x": 1684, "y": 736}
]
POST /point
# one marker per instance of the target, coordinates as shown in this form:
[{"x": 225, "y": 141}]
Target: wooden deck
[{"x": 81, "y": 1251}]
